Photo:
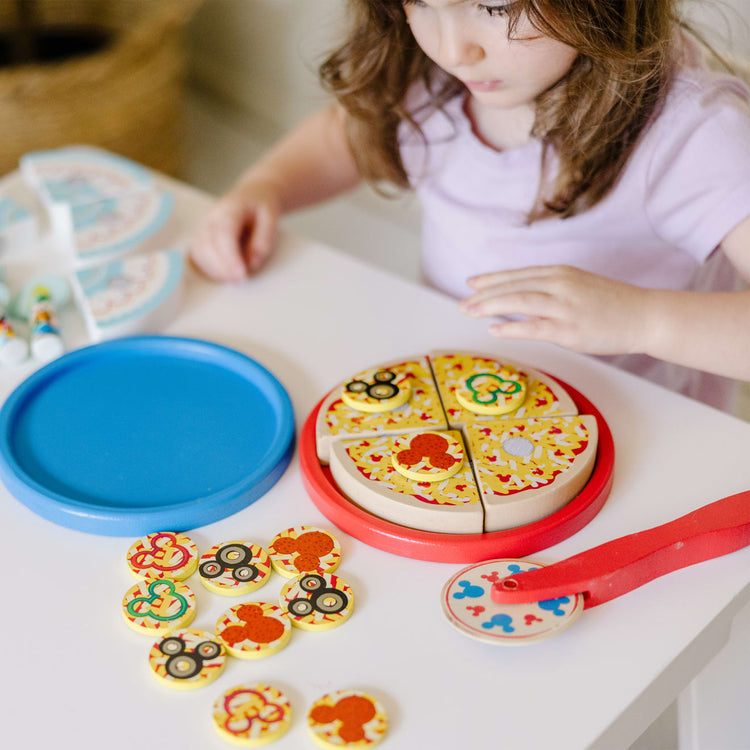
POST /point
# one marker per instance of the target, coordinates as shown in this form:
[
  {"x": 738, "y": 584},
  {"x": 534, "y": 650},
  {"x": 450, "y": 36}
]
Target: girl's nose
[{"x": 457, "y": 45}]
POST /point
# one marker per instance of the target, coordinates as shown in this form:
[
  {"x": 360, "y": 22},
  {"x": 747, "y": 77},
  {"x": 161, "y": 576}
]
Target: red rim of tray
[{"x": 460, "y": 548}]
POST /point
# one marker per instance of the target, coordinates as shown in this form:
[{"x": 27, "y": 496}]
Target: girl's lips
[{"x": 482, "y": 85}]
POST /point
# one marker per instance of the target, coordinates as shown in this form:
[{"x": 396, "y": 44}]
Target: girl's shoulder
[{"x": 699, "y": 92}]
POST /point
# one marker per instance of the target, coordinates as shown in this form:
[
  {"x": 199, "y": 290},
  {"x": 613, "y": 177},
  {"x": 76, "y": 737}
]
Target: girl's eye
[{"x": 495, "y": 10}]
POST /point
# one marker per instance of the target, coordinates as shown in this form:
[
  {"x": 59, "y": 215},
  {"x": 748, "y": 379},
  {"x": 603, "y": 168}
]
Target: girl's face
[{"x": 469, "y": 40}]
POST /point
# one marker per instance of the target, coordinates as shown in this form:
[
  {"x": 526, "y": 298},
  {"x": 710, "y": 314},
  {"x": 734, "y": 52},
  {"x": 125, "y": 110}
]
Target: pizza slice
[
  {"x": 528, "y": 469},
  {"x": 393, "y": 398},
  {"x": 475, "y": 388},
  {"x": 420, "y": 480}
]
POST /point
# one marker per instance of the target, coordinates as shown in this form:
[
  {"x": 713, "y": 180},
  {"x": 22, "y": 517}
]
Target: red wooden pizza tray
[{"x": 460, "y": 548}]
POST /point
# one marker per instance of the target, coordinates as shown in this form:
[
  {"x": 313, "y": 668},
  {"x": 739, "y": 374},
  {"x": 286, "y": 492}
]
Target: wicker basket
[{"x": 125, "y": 98}]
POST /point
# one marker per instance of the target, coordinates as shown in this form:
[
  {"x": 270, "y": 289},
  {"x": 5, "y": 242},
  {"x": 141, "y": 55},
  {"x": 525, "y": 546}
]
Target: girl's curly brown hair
[{"x": 591, "y": 119}]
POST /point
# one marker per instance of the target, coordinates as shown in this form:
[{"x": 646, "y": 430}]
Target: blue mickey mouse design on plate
[{"x": 468, "y": 606}]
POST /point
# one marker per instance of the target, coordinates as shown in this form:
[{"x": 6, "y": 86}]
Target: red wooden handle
[{"x": 614, "y": 568}]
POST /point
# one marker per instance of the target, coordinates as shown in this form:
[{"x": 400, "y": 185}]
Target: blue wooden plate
[{"x": 140, "y": 434}]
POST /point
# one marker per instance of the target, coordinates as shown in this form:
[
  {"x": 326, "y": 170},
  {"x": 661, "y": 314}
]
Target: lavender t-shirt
[{"x": 686, "y": 186}]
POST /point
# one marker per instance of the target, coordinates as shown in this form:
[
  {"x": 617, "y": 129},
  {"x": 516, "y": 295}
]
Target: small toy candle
[
  {"x": 46, "y": 341},
  {"x": 38, "y": 302}
]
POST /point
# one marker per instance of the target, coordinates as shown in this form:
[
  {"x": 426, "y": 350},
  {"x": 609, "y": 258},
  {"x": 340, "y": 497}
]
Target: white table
[{"x": 73, "y": 675}]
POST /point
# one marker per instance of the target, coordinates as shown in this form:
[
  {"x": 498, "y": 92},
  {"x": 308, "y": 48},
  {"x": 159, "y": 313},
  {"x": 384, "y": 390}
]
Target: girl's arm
[
  {"x": 311, "y": 164},
  {"x": 592, "y": 314}
]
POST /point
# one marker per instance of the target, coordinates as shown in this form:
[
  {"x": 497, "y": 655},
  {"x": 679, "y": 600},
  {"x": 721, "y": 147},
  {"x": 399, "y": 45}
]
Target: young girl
[{"x": 581, "y": 174}]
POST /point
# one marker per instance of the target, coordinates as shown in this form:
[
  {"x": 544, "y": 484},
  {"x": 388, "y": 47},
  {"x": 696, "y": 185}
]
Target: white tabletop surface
[{"x": 73, "y": 675}]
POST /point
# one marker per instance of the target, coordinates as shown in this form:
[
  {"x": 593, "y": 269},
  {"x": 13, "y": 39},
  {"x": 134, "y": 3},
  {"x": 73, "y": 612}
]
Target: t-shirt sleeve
[{"x": 698, "y": 177}]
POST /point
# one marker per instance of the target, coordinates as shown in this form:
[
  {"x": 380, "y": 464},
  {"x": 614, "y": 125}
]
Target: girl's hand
[
  {"x": 563, "y": 305},
  {"x": 239, "y": 233}
]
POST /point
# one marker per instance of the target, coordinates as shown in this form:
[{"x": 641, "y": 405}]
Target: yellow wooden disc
[
  {"x": 317, "y": 601},
  {"x": 233, "y": 568},
  {"x": 159, "y": 606},
  {"x": 252, "y": 715},
  {"x": 254, "y": 630},
  {"x": 187, "y": 659},
  {"x": 347, "y": 718},
  {"x": 163, "y": 554},
  {"x": 304, "y": 549},
  {"x": 493, "y": 393},
  {"x": 428, "y": 456},
  {"x": 383, "y": 391}
]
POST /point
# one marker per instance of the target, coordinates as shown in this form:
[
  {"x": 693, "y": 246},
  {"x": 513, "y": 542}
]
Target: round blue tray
[{"x": 144, "y": 434}]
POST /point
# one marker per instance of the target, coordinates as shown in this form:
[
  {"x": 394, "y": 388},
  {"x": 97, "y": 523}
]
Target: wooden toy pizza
[
  {"x": 317, "y": 601},
  {"x": 254, "y": 630},
  {"x": 233, "y": 568},
  {"x": 163, "y": 554},
  {"x": 457, "y": 456},
  {"x": 347, "y": 718},
  {"x": 158, "y": 606},
  {"x": 304, "y": 549},
  {"x": 252, "y": 715},
  {"x": 187, "y": 659}
]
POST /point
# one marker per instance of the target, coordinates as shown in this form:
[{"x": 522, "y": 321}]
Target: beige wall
[{"x": 262, "y": 54}]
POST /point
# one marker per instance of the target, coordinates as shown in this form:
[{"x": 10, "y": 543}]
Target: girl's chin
[{"x": 500, "y": 98}]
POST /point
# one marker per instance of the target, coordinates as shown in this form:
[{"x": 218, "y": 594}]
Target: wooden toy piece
[
  {"x": 529, "y": 468},
  {"x": 254, "y": 630},
  {"x": 317, "y": 601},
  {"x": 163, "y": 554},
  {"x": 18, "y": 227},
  {"x": 158, "y": 606},
  {"x": 304, "y": 549},
  {"x": 468, "y": 605},
  {"x": 13, "y": 349},
  {"x": 493, "y": 393},
  {"x": 428, "y": 456},
  {"x": 614, "y": 568},
  {"x": 131, "y": 296},
  {"x": 364, "y": 471},
  {"x": 422, "y": 411},
  {"x": 233, "y": 568},
  {"x": 453, "y": 370},
  {"x": 187, "y": 659},
  {"x": 252, "y": 715},
  {"x": 347, "y": 718},
  {"x": 386, "y": 391}
]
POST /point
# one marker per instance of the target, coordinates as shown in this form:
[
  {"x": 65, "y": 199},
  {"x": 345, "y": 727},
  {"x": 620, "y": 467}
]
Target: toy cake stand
[{"x": 441, "y": 547}]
